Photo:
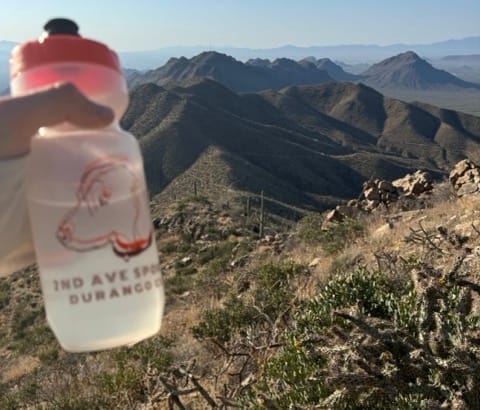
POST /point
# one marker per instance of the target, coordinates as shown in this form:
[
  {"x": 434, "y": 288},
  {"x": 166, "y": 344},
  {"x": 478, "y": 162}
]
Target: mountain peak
[
  {"x": 408, "y": 55},
  {"x": 213, "y": 54},
  {"x": 409, "y": 71}
]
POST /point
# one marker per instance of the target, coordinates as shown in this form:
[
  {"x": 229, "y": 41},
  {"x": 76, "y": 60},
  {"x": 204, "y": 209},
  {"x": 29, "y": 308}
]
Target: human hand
[{"x": 21, "y": 117}]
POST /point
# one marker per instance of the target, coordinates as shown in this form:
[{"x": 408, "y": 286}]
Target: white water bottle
[{"x": 88, "y": 203}]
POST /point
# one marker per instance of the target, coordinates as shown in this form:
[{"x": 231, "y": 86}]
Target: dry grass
[{"x": 17, "y": 367}]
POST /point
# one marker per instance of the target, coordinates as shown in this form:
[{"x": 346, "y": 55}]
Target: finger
[
  {"x": 21, "y": 117},
  {"x": 65, "y": 102}
]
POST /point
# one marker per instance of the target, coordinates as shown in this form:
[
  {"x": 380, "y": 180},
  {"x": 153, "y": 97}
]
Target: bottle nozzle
[{"x": 60, "y": 26}]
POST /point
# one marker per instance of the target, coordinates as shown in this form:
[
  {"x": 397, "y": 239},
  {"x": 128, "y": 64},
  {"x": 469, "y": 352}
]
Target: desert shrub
[
  {"x": 372, "y": 293},
  {"x": 222, "y": 251},
  {"x": 31, "y": 338},
  {"x": 272, "y": 294},
  {"x": 154, "y": 352},
  {"x": 216, "y": 262},
  {"x": 292, "y": 369},
  {"x": 332, "y": 238},
  {"x": 274, "y": 291},
  {"x": 169, "y": 247},
  {"x": 26, "y": 394},
  {"x": 367, "y": 341},
  {"x": 178, "y": 284},
  {"x": 4, "y": 293},
  {"x": 186, "y": 270},
  {"x": 77, "y": 403},
  {"x": 207, "y": 255},
  {"x": 201, "y": 199},
  {"x": 222, "y": 322},
  {"x": 48, "y": 354},
  {"x": 8, "y": 401}
]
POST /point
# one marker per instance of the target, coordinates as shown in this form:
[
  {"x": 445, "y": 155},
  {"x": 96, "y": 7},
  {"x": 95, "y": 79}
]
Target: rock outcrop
[
  {"x": 377, "y": 193},
  {"x": 465, "y": 178}
]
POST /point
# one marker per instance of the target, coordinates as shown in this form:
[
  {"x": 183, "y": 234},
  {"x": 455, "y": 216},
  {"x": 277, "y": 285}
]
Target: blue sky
[{"x": 128, "y": 25}]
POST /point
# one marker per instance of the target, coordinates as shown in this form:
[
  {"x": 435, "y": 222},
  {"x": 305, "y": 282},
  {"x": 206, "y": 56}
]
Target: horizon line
[
  {"x": 211, "y": 47},
  {"x": 300, "y": 46}
]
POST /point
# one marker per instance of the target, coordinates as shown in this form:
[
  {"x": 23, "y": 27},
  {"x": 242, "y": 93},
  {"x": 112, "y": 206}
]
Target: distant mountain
[
  {"x": 408, "y": 70},
  {"x": 302, "y": 145},
  {"x": 6, "y": 48},
  {"x": 356, "y": 69},
  {"x": 465, "y": 59},
  {"x": 251, "y": 76},
  {"x": 466, "y": 67},
  {"x": 334, "y": 70},
  {"x": 352, "y": 54}
]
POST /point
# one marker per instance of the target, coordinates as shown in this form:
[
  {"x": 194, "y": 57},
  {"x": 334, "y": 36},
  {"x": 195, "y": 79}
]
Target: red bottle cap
[{"x": 61, "y": 43}]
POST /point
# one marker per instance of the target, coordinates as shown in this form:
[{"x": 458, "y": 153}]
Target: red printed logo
[{"x": 111, "y": 210}]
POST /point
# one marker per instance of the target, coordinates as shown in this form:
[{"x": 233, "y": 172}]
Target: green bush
[
  {"x": 4, "y": 293},
  {"x": 127, "y": 379},
  {"x": 274, "y": 290},
  {"x": 169, "y": 247},
  {"x": 222, "y": 322},
  {"x": 154, "y": 352},
  {"x": 332, "y": 238},
  {"x": 178, "y": 284},
  {"x": 372, "y": 293},
  {"x": 294, "y": 368},
  {"x": 222, "y": 252},
  {"x": 368, "y": 341},
  {"x": 49, "y": 355},
  {"x": 186, "y": 270}
]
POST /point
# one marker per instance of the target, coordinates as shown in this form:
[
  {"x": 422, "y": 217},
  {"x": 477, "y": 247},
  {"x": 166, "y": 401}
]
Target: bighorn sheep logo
[{"x": 111, "y": 210}]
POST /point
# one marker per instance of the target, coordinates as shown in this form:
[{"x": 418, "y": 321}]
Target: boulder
[
  {"x": 465, "y": 178},
  {"x": 340, "y": 213},
  {"x": 414, "y": 184},
  {"x": 386, "y": 186},
  {"x": 334, "y": 216},
  {"x": 460, "y": 169},
  {"x": 372, "y": 194}
]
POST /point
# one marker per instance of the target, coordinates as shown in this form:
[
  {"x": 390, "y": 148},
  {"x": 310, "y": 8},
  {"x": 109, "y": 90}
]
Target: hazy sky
[{"x": 148, "y": 24}]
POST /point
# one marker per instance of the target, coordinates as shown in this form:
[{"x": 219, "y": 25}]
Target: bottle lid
[{"x": 61, "y": 43}]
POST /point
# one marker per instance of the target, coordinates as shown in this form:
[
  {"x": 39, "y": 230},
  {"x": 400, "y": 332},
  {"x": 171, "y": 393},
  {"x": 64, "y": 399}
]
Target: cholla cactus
[{"x": 377, "y": 360}]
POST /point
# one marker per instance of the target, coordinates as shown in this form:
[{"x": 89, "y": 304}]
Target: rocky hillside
[
  {"x": 306, "y": 145},
  {"x": 377, "y": 310}
]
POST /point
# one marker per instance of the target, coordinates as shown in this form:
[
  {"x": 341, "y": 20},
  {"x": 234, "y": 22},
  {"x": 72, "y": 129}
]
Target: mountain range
[
  {"x": 254, "y": 75},
  {"x": 307, "y": 146},
  {"x": 405, "y": 71},
  {"x": 353, "y": 53}
]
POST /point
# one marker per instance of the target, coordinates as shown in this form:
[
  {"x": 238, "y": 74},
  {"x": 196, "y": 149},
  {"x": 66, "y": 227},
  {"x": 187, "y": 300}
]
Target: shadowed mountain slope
[{"x": 301, "y": 144}]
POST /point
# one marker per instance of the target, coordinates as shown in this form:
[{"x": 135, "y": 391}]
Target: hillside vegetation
[
  {"x": 380, "y": 311},
  {"x": 303, "y": 145}
]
